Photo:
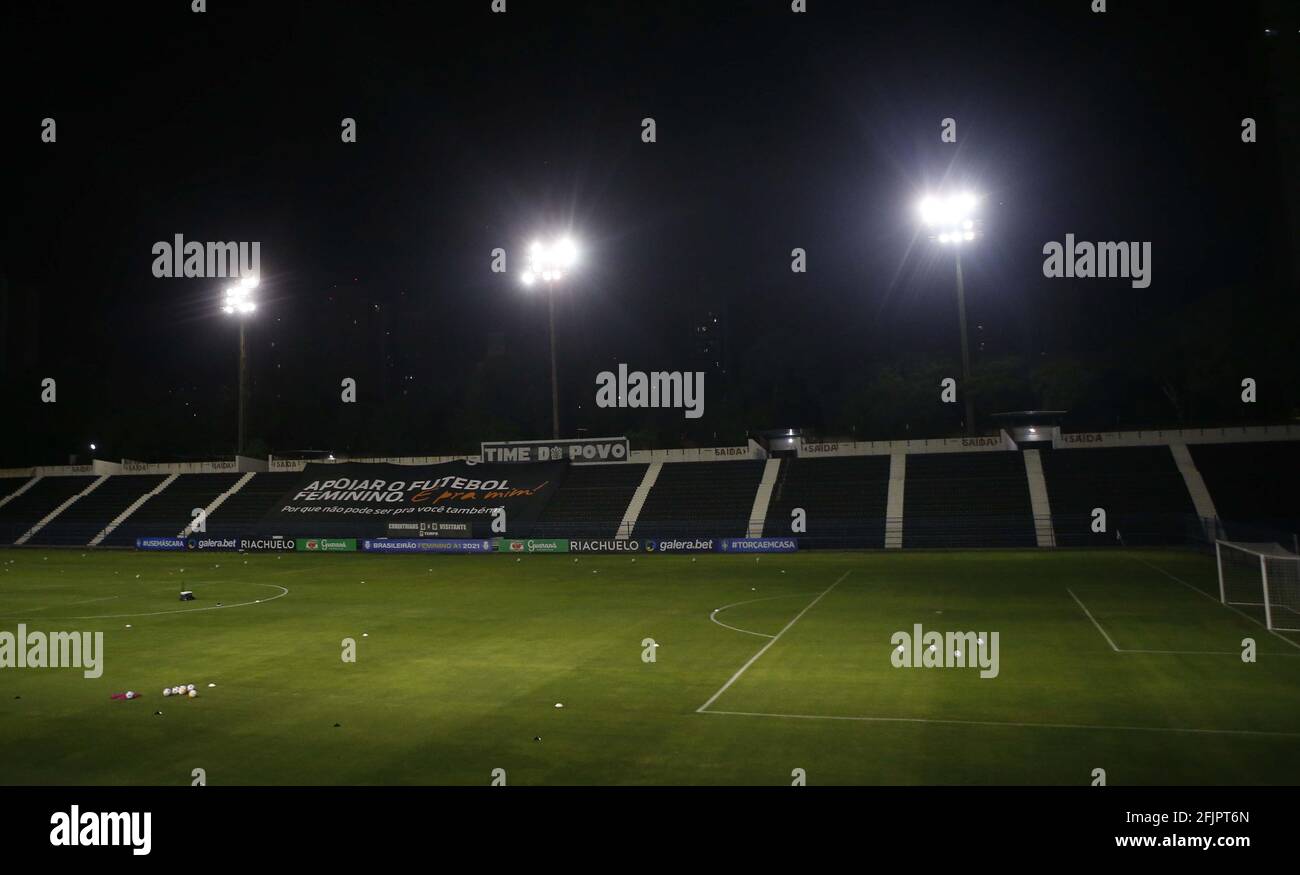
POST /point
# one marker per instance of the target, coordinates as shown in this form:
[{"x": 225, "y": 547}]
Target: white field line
[
  {"x": 1109, "y": 640},
  {"x": 713, "y": 615},
  {"x": 1217, "y": 602},
  {"x": 735, "y": 677},
  {"x": 107, "y": 598},
  {"x": 1118, "y": 649},
  {"x": 284, "y": 591},
  {"x": 1008, "y": 724}
]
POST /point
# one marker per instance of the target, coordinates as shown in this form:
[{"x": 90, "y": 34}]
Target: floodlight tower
[
  {"x": 549, "y": 263},
  {"x": 240, "y": 304},
  {"x": 952, "y": 222}
]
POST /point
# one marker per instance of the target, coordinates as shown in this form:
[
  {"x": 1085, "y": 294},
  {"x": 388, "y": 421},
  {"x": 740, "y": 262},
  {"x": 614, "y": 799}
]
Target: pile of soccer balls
[{"x": 182, "y": 690}]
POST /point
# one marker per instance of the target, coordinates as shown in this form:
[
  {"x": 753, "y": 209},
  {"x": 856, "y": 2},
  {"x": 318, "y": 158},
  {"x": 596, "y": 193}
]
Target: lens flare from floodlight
[
  {"x": 969, "y": 235},
  {"x": 528, "y": 278},
  {"x": 249, "y": 282},
  {"x": 943, "y": 238},
  {"x": 565, "y": 253}
]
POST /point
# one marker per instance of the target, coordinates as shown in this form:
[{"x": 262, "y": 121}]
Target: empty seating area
[
  {"x": 971, "y": 499},
  {"x": 239, "y": 515},
  {"x": 1140, "y": 488},
  {"x": 19, "y": 515},
  {"x": 165, "y": 514},
  {"x": 700, "y": 499},
  {"x": 10, "y": 485},
  {"x": 843, "y": 499},
  {"x": 89, "y": 515},
  {"x": 1255, "y": 487},
  {"x": 590, "y": 502},
  {"x": 967, "y": 500}
]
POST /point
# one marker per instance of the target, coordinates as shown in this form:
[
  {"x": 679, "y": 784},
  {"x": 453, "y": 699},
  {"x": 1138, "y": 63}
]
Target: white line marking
[
  {"x": 735, "y": 677},
  {"x": 1217, "y": 602},
  {"x": 1014, "y": 725},
  {"x": 1113, "y": 645},
  {"x": 713, "y": 615},
  {"x": 107, "y": 598},
  {"x": 1236, "y": 653},
  {"x": 1118, "y": 649},
  {"x": 281, "y": 594}
]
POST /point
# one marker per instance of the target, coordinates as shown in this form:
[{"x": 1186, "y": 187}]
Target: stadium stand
[
  {"x": 844, "y": 499},
  {"x": 19, "y": 515},
  {"x": 590, "y": 501},
  {"x": 1255, "y": 487},
  {"x": 166, "y": 513},
  {"x": 10, "y": 485},
  {"x": 967, "y": 500},
  {"x": 239, "y": 515},
  {"x": 1140, "y": 488},
  {"x": 700, "y": 500},
  {"x": 87, "y": 516}
]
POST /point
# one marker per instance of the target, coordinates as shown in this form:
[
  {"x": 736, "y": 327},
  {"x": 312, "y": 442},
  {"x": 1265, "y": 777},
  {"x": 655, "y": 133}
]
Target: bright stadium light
[
  {"x": 239, "y": 303},
  {"x": 550, "y": 263},
  {"x": 952, "y": 219},
  {"x": 239, "y": 299},
  {"x": 946, "y": 212}
]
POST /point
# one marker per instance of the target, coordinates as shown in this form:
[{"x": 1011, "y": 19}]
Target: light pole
[
  {"x": 239, "y": 303},
  {"x": 953, "y": 223},
  {"x": 548, "y": 262}
]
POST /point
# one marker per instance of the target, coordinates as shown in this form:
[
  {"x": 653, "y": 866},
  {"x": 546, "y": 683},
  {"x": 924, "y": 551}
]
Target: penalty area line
[
  {"x": 1013, "y": 725},
  {"x": 777, "y": 637},
  {"x": 1216, "y": 601},
  {"x": 1109, "y": 640}
]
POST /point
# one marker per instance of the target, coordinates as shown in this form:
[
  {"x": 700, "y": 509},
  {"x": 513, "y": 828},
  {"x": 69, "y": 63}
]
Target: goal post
[{"x": 1261, "y": 576}]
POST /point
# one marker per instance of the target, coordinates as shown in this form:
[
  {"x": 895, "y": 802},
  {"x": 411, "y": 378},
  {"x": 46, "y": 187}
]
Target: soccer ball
[
  {"x": 193, "y": 693},
  {"x": 189, "y": 686},
  {"x": 130, "y": 694},
  {"x": 167, "y": 692}
]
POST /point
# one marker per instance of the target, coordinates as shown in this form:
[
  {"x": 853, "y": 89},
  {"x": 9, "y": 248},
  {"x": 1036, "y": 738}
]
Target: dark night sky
[{"x": 475, "y": 130}]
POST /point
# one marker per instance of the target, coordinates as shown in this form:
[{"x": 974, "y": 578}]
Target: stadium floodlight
[
  {"x": 239, "y": 303},
  {"x": 952, "y": 220},
  {"x": 951, "y": 217},
  {"x": 549, "y": 262}
]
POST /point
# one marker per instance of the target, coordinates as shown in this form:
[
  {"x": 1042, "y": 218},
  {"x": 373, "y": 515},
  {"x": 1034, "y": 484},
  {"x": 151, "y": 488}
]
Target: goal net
[{"x": 1265, "y": 577}]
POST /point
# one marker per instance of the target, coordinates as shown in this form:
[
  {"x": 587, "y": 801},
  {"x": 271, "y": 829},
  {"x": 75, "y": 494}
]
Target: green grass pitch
[{"x": 1108, "y": 660}]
